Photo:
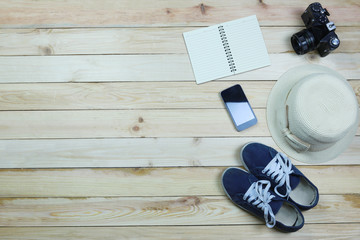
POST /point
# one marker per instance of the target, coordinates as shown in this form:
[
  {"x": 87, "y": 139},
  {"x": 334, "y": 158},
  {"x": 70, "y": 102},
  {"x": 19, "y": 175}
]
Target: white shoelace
[
  {"x": 279, "y": 168},
  {"x": 260, "y": 197}
]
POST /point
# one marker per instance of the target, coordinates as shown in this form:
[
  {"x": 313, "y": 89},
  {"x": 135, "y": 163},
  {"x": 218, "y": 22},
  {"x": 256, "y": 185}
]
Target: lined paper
[{"x": 207, "y": 55}]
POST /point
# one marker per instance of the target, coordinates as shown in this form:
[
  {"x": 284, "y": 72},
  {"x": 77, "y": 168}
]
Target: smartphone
[{"x": 238, "y": 107}]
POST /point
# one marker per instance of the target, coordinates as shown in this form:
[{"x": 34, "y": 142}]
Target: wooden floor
[{"x": 105, "y": 135}]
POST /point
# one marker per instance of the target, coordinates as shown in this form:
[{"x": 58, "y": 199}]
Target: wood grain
[
  {"x": 107, "y": 13},
  {"x": 138, "y": 40},
  {"x": 123, "y": 123},
  {"x": 140, "y": 152},
  {"x": 152, "y": 181},
  {"x": 135, "y": 211},
  {"x": 311, "y": 231},
  {"x": 102, "y": 68},
  {"x": 104, "y": 133},
  {"x": 126, "y": 123},
  {"x": 127, "y": 95},
  {"x": 130, "y": 95}
]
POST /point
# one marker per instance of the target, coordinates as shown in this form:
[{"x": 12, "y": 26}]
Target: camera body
[{"x": 319, "y": 33}]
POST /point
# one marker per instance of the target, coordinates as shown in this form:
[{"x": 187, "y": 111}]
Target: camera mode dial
[{"x": 316, "y": 7}]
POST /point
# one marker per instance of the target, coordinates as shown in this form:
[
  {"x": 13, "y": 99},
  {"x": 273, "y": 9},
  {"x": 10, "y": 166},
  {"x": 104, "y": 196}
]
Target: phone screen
[{"x": 238, "y": 107}]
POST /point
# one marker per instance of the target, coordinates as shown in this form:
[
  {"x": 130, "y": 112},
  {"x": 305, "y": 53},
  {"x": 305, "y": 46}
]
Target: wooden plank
[
  {"x": 100, "y": 68},
  {"x": 135, "y": 211},
  {"x": 137, "y": 40},
  {"x": 126, "y": 95},
  {"x": 152, "y": 181},
  {"x": 92, "y": 13},
  {"x": 139, "y": 152},
  {"x": 125, "y": 123},
  {"x": 310, "y": 231},
  {"x": 130, "y": 95}
]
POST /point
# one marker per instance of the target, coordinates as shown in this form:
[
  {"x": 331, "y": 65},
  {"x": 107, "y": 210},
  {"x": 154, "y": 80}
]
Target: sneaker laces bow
[
  {"x": 258, "y": 195},
  {"x": 280, "y": 168}
]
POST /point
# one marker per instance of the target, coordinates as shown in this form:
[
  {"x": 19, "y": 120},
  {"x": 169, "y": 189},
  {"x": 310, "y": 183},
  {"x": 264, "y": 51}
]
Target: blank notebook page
[{"x": 226, "y": 49}]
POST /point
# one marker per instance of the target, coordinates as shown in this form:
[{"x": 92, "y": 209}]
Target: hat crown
[{"x": 321, "y": 109}]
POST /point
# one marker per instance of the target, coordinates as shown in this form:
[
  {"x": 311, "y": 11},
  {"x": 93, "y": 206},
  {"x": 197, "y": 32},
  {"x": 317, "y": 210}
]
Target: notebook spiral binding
[{"x": 225, "y": 43}]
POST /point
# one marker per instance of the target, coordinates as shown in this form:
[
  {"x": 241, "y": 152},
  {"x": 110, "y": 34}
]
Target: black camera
[{"x": 319, "y": 33}]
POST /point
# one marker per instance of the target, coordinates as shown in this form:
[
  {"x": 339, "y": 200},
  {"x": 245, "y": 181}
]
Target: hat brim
[{"x": 276, "y": 116}]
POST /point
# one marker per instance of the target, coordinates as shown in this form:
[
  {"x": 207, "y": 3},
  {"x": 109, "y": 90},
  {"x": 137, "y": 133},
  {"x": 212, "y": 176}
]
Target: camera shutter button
[{"x": 326, "y": 12}]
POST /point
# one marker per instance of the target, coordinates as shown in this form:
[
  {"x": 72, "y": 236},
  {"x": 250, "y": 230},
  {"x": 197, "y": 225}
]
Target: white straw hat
[{"x": 312, "y": 113}]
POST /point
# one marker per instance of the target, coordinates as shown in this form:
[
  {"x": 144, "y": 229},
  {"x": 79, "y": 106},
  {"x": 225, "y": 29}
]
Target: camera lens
[{"x": 303, "y": 42}]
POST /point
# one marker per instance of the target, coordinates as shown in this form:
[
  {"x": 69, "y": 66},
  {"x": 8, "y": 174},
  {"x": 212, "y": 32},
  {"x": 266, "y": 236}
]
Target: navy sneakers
[
  {"x": 255, "y": 196},
  {"x": 273, "y": 189},
  {"x": 265, "y": 163}
]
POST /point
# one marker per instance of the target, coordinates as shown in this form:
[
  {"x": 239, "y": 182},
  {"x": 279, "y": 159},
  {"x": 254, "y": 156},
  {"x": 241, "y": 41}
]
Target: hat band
[{"x": 295, "y": 142}]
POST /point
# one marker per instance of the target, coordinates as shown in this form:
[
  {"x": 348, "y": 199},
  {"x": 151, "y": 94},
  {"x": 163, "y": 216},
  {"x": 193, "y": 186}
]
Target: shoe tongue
[
  {"x": 294, "y": 181},
  {"x": 294, "y": 178},
  {"x": 252, "y": 179},
  {"x": 272, "y": 152},
  {"x": 276, "y": 204}
]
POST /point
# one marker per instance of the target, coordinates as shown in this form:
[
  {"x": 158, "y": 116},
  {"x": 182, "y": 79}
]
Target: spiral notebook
[{"x": 226, "y": 49}]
